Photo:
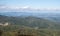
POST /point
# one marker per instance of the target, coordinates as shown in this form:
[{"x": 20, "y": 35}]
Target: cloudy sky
[{"x": 29, "y": 5}]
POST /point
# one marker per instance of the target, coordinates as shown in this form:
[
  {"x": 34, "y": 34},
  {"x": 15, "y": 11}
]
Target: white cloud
[
  {"x": 2, "y": 7},
  {"x": 11, "y": 7},
  {"x": 27, "y": 8}
]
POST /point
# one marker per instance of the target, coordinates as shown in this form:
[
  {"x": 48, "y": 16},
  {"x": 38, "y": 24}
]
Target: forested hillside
[
  {"x": 28, "y": 26},
  {"x": 30, "y": 21}
]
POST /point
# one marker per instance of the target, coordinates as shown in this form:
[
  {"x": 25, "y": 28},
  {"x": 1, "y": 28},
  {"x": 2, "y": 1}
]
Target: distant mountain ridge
[
  {"x": 30, "y": 13},
  {"x": 50, "y": 16}
]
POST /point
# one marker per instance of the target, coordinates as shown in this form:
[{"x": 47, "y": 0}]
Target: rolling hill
[{"x": 30, "y": 21}]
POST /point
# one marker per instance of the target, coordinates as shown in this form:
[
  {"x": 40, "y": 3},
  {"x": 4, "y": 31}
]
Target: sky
[{"x": 24, "y": 5}]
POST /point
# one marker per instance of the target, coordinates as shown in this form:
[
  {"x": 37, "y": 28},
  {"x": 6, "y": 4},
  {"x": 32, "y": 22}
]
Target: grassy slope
[{"x": 31, "y": 31}]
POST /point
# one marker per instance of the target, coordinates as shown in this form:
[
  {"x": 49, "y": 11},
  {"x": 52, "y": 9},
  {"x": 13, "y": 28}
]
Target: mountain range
[
  {"x": 24, "y": 23},
  {"x": 34, "y": 20},
  {"x": 50, "y": 16}
]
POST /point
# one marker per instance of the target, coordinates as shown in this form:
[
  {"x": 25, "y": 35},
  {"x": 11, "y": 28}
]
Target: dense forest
[{"x": 28, "y": 26}]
